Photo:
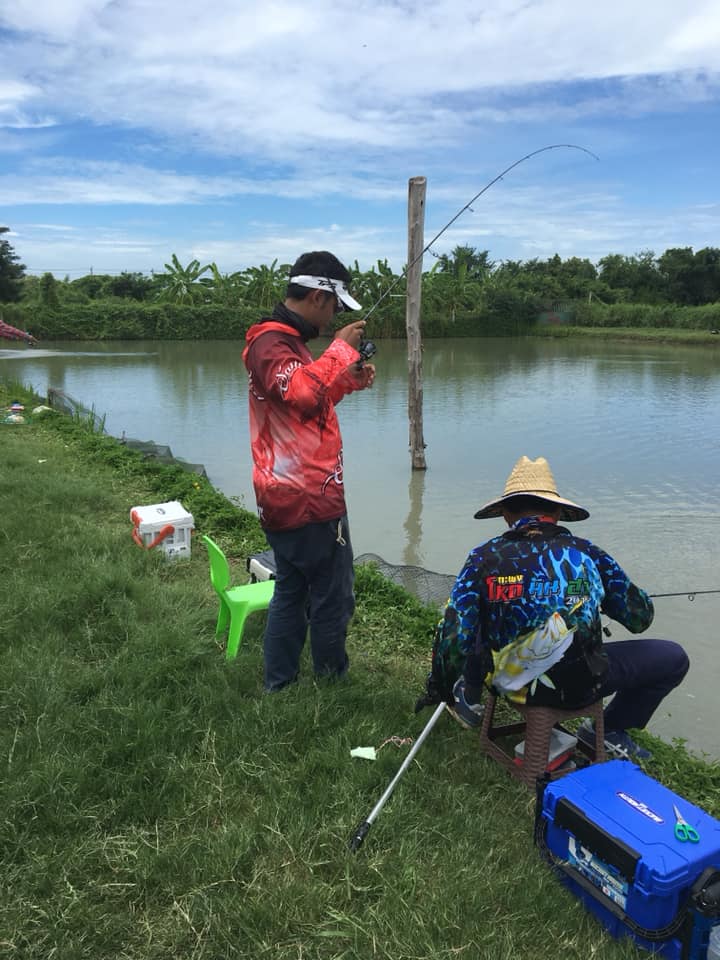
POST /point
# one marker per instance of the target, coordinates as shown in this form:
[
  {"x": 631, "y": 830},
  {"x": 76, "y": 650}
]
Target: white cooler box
[{"x": 167, "y": 526}]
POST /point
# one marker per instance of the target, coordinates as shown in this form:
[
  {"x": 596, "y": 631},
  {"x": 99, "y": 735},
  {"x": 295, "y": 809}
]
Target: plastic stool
[{"x": 536, "y": 724}]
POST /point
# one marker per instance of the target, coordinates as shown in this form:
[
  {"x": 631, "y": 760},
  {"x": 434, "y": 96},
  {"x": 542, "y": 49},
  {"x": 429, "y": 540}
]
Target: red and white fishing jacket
[{"x": 294, "y": 431}]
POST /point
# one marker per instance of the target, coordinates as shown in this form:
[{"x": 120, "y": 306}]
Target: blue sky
[{"x": 240, "y": 132}]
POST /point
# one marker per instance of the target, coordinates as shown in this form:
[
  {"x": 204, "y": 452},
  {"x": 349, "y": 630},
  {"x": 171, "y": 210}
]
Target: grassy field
[{"x": 156, "y": 804}]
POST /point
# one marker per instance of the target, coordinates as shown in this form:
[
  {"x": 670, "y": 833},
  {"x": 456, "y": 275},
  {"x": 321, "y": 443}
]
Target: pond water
[{"x": 632, "y": 432}]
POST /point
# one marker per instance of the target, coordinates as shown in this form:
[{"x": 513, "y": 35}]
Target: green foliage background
[{"x": 464, "y": 293}]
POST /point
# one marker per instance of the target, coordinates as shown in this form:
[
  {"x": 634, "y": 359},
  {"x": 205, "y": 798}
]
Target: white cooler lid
[{"x": 158, "y": 514}]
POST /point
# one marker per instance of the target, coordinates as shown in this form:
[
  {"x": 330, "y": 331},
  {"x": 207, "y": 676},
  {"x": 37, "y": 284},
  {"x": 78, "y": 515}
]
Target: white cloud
[
  {"x": 58, "y": 181},
  {"x": 296, "y": 117},
  {"x": 521, "y": 223},
  {"x": 12, "y": 91},
  {"x": 337, "y": 74},
  {"x": 51, "y": 226},
  {"x": 59, "y": 20},
  {"x": 14, "y": 95}
]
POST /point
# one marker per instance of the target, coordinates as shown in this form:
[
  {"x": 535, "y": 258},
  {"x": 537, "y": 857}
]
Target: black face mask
[{"x": 306, "y": 330}]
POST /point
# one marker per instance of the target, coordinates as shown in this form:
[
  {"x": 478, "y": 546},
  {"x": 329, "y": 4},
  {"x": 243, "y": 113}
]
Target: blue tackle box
[{"x": 609, "y": 830}]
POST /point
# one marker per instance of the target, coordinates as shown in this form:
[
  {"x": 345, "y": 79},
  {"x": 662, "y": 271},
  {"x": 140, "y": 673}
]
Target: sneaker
[
  {"x": 622, "y": 744},
  {"x": 469, "y": 715},
  {"x": 618, "y": 743}
]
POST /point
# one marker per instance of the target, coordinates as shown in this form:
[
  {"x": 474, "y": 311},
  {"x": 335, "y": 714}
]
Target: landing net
[{"x": 426, "y": 585}]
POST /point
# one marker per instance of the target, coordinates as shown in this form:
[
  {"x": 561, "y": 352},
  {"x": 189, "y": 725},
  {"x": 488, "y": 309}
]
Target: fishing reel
[{"x": 367, "y": 351}]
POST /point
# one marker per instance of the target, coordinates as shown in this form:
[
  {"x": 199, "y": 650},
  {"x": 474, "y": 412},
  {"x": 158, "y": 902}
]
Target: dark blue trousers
[
  {"x": 642, "y": 673},
  {"x": 313, "y": 586}
]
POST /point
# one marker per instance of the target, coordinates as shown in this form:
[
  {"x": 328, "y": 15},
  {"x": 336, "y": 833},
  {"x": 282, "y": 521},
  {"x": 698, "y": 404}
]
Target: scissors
[{"x": 683, "y": 831}]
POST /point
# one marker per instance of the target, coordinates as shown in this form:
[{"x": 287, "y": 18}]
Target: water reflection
[{"x": 413, "y": 553}]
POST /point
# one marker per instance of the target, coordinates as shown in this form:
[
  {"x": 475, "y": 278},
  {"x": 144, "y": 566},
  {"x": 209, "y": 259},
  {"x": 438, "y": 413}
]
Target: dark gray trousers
[{"x": 313, "y": 586}]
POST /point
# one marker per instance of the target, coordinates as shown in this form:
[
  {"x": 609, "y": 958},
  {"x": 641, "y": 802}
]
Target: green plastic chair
[{"x": 235, "y": 602}]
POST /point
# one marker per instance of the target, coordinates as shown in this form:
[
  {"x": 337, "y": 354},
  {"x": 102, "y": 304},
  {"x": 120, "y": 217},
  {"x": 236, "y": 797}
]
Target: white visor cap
[{"x": 328, "y": 283}]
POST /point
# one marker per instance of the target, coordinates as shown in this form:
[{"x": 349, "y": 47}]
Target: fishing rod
[
  {"x": 468, "y": 206},
  {"x": 690, "y": 594}
]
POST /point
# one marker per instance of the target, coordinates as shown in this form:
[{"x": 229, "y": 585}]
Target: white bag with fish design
[{"x": 530, "y": 656}]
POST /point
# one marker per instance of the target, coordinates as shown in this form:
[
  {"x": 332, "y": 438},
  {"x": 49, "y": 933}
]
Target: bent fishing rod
[{"x": 468, "y": 206}]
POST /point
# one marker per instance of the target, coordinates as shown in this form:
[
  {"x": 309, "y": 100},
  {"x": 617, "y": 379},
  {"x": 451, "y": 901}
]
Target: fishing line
[{"x": 468, "y": 205}]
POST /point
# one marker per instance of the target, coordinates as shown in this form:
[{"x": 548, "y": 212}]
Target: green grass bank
[{"x": 155, "y": 804}]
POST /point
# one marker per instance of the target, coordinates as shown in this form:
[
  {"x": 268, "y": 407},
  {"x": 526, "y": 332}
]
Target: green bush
[
  {"x": 502, "y": 311},
  {"x": 13, "y": 314},
  {"x": 123, "y": 319},
  {"x": 648, "y": 315}
]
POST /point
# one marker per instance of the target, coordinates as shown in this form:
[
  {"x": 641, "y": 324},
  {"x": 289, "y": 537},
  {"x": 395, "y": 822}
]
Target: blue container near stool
[{"x": 609, "y": 830}]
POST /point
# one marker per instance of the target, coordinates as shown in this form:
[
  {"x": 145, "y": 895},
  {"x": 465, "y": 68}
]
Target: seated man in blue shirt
[{"x": 524, "y": 618}]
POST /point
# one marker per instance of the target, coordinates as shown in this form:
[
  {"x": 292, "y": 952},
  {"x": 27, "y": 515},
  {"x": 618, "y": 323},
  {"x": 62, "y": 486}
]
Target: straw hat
[{"x": 532, "y": 478}]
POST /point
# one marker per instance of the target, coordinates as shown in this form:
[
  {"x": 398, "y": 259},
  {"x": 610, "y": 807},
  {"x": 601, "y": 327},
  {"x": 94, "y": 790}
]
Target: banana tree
[
  {"x": 183, "y": 284},
  {"x": 225, "y": 288},
  {"x": 456, "y": 282},
  {"x": 380, "y": 285},
  {"x": 263, "y": 286}
]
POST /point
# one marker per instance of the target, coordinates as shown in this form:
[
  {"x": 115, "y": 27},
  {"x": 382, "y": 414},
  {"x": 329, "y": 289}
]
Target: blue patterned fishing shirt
[{"x": 513, "y": 585}]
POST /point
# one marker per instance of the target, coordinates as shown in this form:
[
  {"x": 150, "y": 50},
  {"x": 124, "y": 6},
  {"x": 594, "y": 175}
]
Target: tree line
[{"x": 464, "y": 292}]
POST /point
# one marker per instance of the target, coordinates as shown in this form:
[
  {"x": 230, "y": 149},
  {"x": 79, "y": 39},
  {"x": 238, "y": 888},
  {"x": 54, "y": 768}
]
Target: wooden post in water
[{"x": 416, "y": 225}]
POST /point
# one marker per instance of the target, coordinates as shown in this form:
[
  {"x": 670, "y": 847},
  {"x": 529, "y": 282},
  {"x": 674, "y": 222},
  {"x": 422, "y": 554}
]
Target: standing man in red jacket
[{"x": 298, "y": 465}]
